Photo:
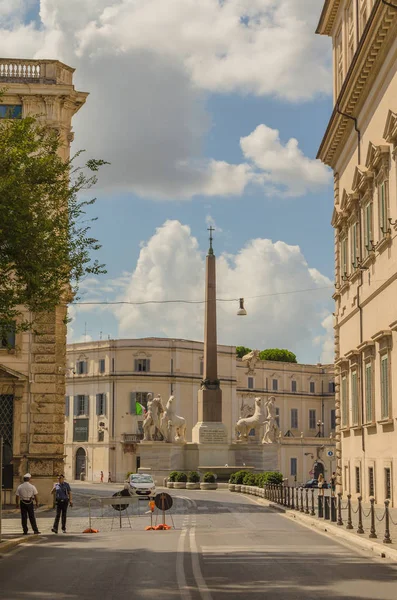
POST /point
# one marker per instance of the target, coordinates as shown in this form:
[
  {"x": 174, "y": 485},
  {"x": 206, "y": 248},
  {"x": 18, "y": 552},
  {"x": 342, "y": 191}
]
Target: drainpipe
[{"x": 357, "y": 130}]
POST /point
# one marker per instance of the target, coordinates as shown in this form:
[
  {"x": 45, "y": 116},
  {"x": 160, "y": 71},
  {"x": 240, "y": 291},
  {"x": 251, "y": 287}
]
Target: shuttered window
[
  {"x": 81, "y": 405},
  {"x": 294, "y": 418},
  {"x": 101, "y": 404},
  {"x": 384, "y": 385},
  {"x": 368, "y": 393},
  {"x": 354, "y": 398},
  {"x": 345, "y": 407},
  {"x": 142, "y": 365},
  {"x": 67, "y": 406}
]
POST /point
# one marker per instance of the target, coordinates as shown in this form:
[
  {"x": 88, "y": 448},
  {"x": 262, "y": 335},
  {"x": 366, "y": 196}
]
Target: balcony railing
[
  {"x": 15, "y": 70},
  {"x": 131, "y": 438}
]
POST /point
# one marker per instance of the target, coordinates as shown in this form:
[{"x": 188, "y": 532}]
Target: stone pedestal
[
  {"x": 159, "y": 459},
  {"x": 210, "y": 433}
]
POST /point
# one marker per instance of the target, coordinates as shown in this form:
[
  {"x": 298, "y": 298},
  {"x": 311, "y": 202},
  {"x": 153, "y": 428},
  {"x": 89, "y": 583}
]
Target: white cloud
[
  {"x": 149, "y": 64},
  {"x": 171, "y": 266},
  {"x": 326, "y": 340}
]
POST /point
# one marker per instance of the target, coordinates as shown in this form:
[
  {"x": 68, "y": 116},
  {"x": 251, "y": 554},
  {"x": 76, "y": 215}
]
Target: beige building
[
  {"x": 360, "y": 145},
  {"x": 32, "y": 365},
  {"x": 108, "y": 381}
]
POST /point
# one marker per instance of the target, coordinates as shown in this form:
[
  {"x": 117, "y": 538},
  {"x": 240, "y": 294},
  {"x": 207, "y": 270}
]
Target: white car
[{"x": 142, "y": 484}]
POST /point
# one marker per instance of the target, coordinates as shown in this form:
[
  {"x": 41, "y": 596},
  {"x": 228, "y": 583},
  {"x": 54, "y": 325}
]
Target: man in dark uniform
[{"x": 63, "y": 497}]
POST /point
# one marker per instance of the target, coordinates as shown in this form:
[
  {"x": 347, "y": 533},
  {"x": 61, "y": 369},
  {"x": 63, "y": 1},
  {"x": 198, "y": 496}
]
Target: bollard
[
  {"x": 281, "y": 494},
  {"x": 320, "y": 506},
  {"x": 289, "y": 497},
  {"x": 302, "y": 509},
  {"x": 333, "y": 509},
  {"x": 387, "y": 538},
  {"x": 307, "y": 501},
  {"x": 349, "y": 512},
  {"x": 326, "y": 508},
  {"x": 372, "y": 533},
  {"x": 297, "y": 499},
  {"x": 312, "y": 512},
  {"x": 360, "y": 528},
  {"x": 293, "y": 498},
  {"x": 339, "y": 521}
]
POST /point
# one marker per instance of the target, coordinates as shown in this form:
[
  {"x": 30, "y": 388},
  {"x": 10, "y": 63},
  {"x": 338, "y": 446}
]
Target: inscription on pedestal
[{"x": 213, "y": 435}]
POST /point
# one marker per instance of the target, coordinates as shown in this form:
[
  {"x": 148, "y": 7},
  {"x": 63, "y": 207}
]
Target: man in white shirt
[{"x": 25, "y": 495}]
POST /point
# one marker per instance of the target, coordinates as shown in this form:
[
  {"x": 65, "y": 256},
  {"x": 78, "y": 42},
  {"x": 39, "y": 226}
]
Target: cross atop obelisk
[{"x": 209, "y": 428}]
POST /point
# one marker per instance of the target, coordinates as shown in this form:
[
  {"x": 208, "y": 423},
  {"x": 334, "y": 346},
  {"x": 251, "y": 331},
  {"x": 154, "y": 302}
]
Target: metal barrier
[{"x": 120, "y": 506}]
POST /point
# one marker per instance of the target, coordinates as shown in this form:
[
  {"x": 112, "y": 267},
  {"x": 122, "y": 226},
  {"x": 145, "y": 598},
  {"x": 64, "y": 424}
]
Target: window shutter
[
  {"x": 148, "y": 365},
  {"x": 67, "y": 406},
  {"x": 133, "y": 403},
  {"x": 75, "y": 406},
  {"x": 86, "y": 405},
  {"x": 135, "y": 365},
  {"x": 85, "y": 367},
  {"x": 98, "y": 404},
  {"x": 105, "y": 404}
]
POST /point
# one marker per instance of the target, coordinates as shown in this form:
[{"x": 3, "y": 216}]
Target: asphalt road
[{"x": 225, "y": 547}]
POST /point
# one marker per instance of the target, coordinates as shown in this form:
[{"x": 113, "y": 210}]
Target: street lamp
[
  {"x": 241, "y": 311},
  {"x": 320, "y": 425}
]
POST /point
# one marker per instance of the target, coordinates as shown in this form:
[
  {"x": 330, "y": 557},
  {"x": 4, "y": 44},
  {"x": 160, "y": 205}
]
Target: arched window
[{"x": 81, "y": 460}]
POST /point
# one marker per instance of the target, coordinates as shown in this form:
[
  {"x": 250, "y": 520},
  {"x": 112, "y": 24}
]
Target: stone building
[
  {"x": 360, "y": 145},
  {"x": 108, "y": 382},
  {"x": 32, "y": 365}
]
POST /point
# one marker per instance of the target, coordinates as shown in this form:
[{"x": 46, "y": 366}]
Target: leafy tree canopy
[
  {"x": 242, "y": 351},
  {"x": 278, "y": 355},
  {"x": 45, "y": 246}
]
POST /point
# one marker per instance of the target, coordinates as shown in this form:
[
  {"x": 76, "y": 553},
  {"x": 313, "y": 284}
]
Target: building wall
[
  {"x": 34, "y": 370},
  {"x": 182, "y": 378},
  {"x": 366, "y": 264}
]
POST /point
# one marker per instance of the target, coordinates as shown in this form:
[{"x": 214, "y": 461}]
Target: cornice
[
  {"x": 379, "y": 34},
  {"x": 327, "y": 18}
]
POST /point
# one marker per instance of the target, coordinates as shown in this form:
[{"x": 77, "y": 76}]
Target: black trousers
[
  {"x": 62, "y": 509},
  {"x": 27, "y": 510}
]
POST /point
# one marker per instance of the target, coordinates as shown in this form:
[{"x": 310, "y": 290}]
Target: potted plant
[
  {"x": 238, "y": 478},
  {"x": 209, "y": 482},
  {"x": 232, "y": 487},
  {"x": 180, "y": 481},
  {"x": 193, "y": 481},
  {"x": 171, "y": 479}
]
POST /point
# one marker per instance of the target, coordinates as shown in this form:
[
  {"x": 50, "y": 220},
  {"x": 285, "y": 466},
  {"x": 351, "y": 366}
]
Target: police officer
[
  {"x": 25, "y": 495},
  {"x": 63, "y": 497}
]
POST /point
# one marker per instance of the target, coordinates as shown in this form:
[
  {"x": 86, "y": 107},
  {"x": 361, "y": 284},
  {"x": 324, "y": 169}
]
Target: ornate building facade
[
  {"x": 108, "y": 383},
  {"x": 360, "y": 145},
  {"x": 32, "y": 364}
]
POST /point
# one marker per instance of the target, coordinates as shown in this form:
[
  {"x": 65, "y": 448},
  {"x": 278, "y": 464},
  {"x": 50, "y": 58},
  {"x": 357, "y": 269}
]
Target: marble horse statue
[
  {"x": 244, "y": 425},
  {"x": 152, "y": 422},
  {"x": 173, "y": 427}
]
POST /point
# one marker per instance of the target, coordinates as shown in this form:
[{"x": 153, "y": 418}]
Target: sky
[{"x": 210, "y": 113}]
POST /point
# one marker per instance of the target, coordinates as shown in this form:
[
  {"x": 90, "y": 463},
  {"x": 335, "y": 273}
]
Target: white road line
[
  {"x": 180, "y": 571},
  {"x": 201, "y": 585}
]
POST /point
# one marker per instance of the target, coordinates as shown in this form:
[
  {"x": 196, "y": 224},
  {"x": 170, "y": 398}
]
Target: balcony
[
  {"x": 131, "y": 438},
  {"x": 52, "y": 72}
]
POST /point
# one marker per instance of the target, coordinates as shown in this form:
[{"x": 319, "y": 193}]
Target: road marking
[
  {"x": 180, "y": 571},
  {"x": 201, "y": 585}
]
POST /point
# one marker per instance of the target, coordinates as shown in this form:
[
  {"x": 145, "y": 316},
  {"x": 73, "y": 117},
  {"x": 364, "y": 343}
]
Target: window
[
  {"x": 339, "y": 61},
  {"x": 101, "y": 435},
  {"x": 10, "y": 111},
  {"x": 278, "y": 417},
  {"x": 354, "y": 398},
  {"x": 138, "y": 402},
  {"x": 387, "y": 483},
  {"x": 293, "y": 386},
  {"x": 358, "y": 482},
  {"x": 101, "y": 404},
  {"x": 383, "y": 209},
  {"x": 354, "y": 253},
  {"x": 333, "y": 418},
  {"x": 101, "y": 365},
  {"x": 7, "y": 334},
  {"x": 344, "y": 257},
  {"x": 81, "y": 406},
  {"x": 312, "y": 419},
  {"x": 81, "y": 367},
  {"x": 142, "y": 365},
  {"x": 67, "y": 406},
  {"x": 312, "y": 387},
  {"x": 331, "y": 387},
  {"x": 275, "y": 385},
  {"x": 80, "y": 430},
  {"x": 371, "y": 485},
  {"x": 345, "y": 407},
  {"x": 350, "y": 32},
  {"x": 384, "y": 385},
  {"x": 368, "y": 393},
  {"x": 294, "y": 418},
  {"x": 368, "y": 235},
  {"x": 294, "y": 466},
  {"x": 250, "y": 383},
  {"x": 363, "y": 16}
]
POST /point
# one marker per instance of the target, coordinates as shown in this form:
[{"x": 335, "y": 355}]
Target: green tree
[
  {"x": 242, "y": 351},
  {"x": 45, "y": 245},
  {"x": 278, "y": 355}
]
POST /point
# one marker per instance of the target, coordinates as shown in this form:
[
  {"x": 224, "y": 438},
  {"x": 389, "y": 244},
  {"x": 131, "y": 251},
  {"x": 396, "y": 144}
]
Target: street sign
[
  {"x": 330, "y": 453},
  {"x": 163, "y": 501}
]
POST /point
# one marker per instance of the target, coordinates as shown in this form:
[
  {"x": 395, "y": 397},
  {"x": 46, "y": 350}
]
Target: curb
[
  {"x": 8, "y": 545},
  {"x": 333, "y": 531}
]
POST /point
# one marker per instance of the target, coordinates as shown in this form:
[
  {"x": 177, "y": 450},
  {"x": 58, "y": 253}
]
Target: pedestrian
[
  {"x": 63, "y": 497},
  {"x": 109, "y": 478},
  {"x": 25, "y": 495},
  {"x": 321, "y": 484},
  {"x": 101, "y": 476},
  {"x": 333, "y": 483}
]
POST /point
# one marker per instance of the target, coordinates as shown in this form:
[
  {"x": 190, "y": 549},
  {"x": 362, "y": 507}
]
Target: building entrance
[
  {"x": 81, "y": 459},
  {"x": 7, "y": 426}
]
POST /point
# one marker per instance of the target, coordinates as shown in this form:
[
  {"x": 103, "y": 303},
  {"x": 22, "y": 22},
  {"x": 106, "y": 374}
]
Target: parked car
[
  {"x": 313, "y": 483},
  {"x": 142, "y": 484}
]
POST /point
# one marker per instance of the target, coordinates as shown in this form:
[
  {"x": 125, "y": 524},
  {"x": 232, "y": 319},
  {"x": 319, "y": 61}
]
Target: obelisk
[{"x": 209, "y": 428}]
